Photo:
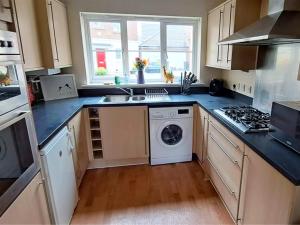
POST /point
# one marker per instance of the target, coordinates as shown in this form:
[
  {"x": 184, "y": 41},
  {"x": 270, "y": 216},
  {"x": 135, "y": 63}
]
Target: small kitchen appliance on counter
[
  {"x": 246, "y": 118},
  {"x": 286, "y": 122},
  {"x": 216, "y": 87}
]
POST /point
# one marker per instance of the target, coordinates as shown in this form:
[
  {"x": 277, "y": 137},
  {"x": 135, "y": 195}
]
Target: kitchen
[{"x": 136, "y": 112}]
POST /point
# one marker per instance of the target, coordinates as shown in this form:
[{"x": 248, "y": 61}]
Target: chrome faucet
[{"x": 130, "y": 90}]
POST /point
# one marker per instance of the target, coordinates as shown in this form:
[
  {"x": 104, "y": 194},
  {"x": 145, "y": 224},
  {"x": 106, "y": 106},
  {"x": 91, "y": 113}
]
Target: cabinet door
[
  {"x": 30, "y": 207},
  {"x": 59, "y": 33},
  {"x": 124, "y": 132},
  {"x": 227, "y": 30},
  {"x": 79, "y": 138},
  {"x": 200, "y": 117},
  {"x": 5, "y": 11},
  {"x": 204, "y": 129},
  {"x": 214, "y": 32},
  {"x": 29, "y": 35},
  {"x": 267, "y": 196}
]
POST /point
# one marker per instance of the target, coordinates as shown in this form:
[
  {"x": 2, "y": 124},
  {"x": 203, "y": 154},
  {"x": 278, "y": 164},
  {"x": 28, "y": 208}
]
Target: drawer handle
[
  {"x": 221, "y": 178},
  {"x": 223, "y": 150},
  {"x": 233, "y": 144}
]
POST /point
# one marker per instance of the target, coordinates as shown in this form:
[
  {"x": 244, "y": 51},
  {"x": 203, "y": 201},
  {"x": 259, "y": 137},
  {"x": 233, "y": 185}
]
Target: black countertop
[{"x": 52, "y": 116}]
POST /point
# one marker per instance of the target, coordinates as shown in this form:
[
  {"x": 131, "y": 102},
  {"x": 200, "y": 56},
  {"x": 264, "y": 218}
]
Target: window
[{"x": 113, "y": 42}]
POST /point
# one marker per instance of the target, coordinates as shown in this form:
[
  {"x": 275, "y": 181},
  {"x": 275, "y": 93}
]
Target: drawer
[
  {"x": 231, "y": 203},
  {"x": 228, "y": 168},
  {"x": 228, "y": 142}
]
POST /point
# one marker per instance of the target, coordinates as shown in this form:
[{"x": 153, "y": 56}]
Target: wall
[{"x": 188, "y": 8}]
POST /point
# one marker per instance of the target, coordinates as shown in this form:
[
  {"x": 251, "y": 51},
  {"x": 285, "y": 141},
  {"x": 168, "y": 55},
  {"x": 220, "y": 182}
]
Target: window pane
[
  {"x": 107, "y": 63},
  {"x": 153, "y": 70},
  {"x": 105, "y": 35},
  {"x": 179, "y": 37},
  {"x": 106, "y": 49},
  {"x": 179, "y": 62},
  {"x": 143, "y": 35}
]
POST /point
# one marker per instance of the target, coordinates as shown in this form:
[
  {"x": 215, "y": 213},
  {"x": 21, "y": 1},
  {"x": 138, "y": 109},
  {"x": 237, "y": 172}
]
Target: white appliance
[
  {"x": 58, "y": 86},
  {"x": 171, "y": 134},
  {"x": 57, "y": 164}
]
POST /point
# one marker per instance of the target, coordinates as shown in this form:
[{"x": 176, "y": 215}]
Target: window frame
[{"x": 86, "y": 18}]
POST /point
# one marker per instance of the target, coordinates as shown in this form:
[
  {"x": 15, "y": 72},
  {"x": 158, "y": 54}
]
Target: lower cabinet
[
  {"x": 252, "y": 190},
  {"x": 200, "y": 132},
  {"x": 268, "y": 197},
  {"x": 224, "y": 165},
  {"x": 124, "y": 132},
  {"x": 80, "y": 149},
  {"x": 30, "y": 207}
]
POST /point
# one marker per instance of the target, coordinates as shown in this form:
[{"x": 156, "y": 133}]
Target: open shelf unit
[{"x": 95, "y": 133}]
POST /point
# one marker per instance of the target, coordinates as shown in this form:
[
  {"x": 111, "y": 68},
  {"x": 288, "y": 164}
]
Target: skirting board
[{"x": 97, "y": 164}]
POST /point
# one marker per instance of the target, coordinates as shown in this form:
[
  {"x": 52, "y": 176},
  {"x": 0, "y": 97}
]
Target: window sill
[{"x": 152, "y": 85}]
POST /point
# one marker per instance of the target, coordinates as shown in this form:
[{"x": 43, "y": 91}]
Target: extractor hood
[{"x": 280, "y": 26}]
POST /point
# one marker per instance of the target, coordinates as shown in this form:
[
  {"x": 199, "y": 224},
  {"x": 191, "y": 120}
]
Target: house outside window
[{"x": 112, "y": 42}]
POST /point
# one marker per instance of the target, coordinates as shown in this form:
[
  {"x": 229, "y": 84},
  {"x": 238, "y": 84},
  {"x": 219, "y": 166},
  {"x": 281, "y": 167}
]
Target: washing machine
[{"x": 171, "y": 135}]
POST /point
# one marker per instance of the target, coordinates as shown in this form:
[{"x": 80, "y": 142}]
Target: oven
[
  {"x": 18, "y": 154},
  {"x": 18, "y": 145},
  {"x": 12, "y": 80}
]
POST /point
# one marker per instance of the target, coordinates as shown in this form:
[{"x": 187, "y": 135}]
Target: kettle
[{"x": 216, "y": 87}]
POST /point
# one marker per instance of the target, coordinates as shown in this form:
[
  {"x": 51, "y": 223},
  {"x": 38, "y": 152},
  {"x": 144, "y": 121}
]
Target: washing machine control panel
[{"x": 171, "y": 112}]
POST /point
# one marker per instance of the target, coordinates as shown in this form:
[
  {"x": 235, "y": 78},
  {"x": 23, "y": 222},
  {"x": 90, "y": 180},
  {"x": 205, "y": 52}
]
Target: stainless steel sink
[
  {"x": 138, "y": 98},
  {"x": 116, "y": 98}
]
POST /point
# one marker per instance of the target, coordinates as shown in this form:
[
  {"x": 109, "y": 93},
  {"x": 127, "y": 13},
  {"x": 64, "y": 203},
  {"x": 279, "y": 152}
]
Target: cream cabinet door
[
  {"x": 5, "y": 11},
  {"x": 227, "y": 30},
  {"x": 59, "y": 33},
  {"x": 79, "y": 138},
  {"x": 214, "y": 32},
  {"x": 30, "y": 207},
  {"x": 200, "y": 129},
  {"x": 267, "y": 196},
  {"x": 124, "y": 132},
  {"x": 29, "y": 34}
]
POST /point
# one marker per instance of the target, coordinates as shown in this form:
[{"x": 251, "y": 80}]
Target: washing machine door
[{"x": 170, "y": 134}]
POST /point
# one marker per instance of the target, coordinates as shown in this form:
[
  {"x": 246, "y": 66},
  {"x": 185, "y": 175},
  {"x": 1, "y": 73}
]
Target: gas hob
[{"x": 246, "y": 118}]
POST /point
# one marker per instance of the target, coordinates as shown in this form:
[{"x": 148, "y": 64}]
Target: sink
[
  {"x": 138, "y": 98},
  {"x": 116, "y": 98}
]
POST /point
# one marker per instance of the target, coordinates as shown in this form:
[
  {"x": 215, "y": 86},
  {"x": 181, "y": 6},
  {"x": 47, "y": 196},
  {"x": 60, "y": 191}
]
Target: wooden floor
[{"x": 168, "y": 194}]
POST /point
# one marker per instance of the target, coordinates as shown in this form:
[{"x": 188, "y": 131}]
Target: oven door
[
  {"x": 18, "y": 154},
  {"x": 12, "y": 83}
]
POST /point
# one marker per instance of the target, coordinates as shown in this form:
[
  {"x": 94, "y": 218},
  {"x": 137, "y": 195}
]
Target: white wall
[{"x": 188, "y": 8}]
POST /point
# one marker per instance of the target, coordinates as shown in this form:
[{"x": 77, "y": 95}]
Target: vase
[{"x": 140, "y": 77}]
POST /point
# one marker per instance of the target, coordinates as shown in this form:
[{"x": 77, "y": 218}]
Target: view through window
[{"x": 113, "y": 43}]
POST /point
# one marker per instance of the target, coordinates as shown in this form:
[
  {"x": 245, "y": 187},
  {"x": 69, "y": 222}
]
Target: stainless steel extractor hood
[{"x": 280, "y": 26}]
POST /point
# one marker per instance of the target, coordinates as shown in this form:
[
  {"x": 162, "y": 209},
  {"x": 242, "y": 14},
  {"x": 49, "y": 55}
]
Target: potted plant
[{"x": 140, "y": 65}]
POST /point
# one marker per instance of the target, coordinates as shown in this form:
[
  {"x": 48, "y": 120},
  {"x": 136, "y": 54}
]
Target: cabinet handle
[
  {"x": 219, "y": 36},
  {"x": 54, "y": 33},
  {"x": 221, "y": 178},
  {"x": 233, "y": 144},
  {"x": 223, "y": 150},
  {"x": 229, "y": 31}
]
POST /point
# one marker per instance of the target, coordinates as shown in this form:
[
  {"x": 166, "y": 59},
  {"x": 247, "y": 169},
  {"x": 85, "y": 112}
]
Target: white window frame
[{"x": 86, "y": 18}]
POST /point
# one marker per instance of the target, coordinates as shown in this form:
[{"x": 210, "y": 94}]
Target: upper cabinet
[
  {"x": 5, "y": 11},
  {"x": 55, "y": 39},
  {"x": 44, "y": 34},
  {"x": 29, "y": 34},
  {"x": 223, "y": 21}
]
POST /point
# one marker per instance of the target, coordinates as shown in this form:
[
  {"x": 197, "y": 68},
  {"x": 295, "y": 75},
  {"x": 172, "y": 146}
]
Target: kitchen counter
[{"x": 52, "y": 116}]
